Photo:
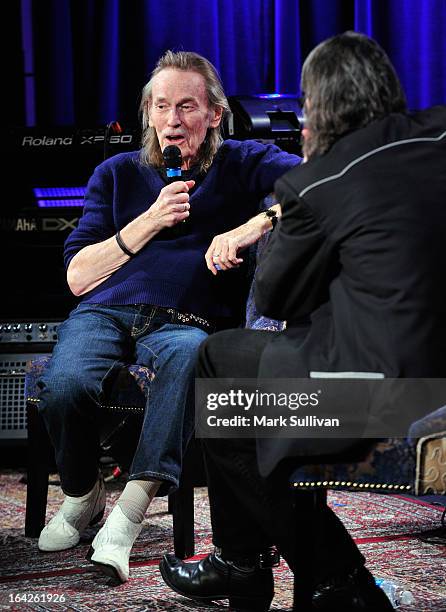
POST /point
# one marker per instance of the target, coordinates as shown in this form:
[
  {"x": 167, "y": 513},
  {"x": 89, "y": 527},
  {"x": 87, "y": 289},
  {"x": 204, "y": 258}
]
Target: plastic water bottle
[{"x": 398, "y": 596}]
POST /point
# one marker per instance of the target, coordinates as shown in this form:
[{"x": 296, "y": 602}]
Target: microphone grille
[{"x": 172, "y": 157}]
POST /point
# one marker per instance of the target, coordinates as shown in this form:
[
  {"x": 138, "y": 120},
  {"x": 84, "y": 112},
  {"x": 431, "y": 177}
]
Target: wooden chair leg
[
  {"x": 308, "y": 543},
  {"x": 183, "y": 521},
  {"x": 181, "y": 503},
  {"x": 40, "y": 455}
]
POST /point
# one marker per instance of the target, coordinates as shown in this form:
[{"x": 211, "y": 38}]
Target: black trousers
[{"x": 250, "y": 513}]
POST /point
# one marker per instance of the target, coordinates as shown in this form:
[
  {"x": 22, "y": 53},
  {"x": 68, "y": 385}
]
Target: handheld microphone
[{"x": 173, "y": 161}]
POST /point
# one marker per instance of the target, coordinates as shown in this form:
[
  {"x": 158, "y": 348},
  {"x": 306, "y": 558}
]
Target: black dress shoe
[
  {"x": 355, "y": 592},
  {"x": 212, "y": 578}
]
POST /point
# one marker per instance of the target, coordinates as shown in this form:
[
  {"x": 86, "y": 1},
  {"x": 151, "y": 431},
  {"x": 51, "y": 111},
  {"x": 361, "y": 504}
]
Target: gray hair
[
  {"x": 151, "y": 153},
  {"x": 348, "y": 81}
]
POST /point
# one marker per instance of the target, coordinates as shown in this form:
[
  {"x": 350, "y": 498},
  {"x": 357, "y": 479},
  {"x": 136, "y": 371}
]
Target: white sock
[
  {"x": 136, "y": 498},
  {"x": 73, "y": 507}
]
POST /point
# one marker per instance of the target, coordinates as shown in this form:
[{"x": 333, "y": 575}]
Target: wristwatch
[{"x": 271, "y": 214}]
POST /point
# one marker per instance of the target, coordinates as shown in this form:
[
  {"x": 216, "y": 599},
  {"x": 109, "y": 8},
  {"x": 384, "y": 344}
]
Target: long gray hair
[
  {"x": 151, "y": 153},
  {"x": 348, "y": 81}
]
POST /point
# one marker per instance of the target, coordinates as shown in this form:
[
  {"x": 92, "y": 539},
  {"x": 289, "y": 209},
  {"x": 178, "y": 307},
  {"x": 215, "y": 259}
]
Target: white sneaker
[
  {"x": 113, "y": 543},
  {"x": 74, "y": 516}
]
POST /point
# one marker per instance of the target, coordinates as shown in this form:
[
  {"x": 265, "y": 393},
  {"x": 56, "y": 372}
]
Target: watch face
[{"x": 272, "y": 216}]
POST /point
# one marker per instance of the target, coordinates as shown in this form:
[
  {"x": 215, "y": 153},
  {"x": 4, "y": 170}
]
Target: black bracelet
[{"x": 122, "y": 246}]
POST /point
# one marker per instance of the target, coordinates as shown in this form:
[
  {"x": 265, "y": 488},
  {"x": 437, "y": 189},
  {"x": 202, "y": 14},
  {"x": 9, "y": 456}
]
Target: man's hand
[
  {"x": 172, "y": 205},
  {"x": 225, "y": 247}
]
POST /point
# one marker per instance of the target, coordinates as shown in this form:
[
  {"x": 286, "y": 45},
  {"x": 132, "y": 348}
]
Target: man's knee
[
  {"x": 65, "y": 391},
  {"x": 210, "y": 350},
  {"x": 218, "y": 342},
  {"x": 207, "y": 347},
  {"x": 186, "y": 345}
]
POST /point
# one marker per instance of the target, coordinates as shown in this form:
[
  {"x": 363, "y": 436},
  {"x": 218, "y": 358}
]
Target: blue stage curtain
[
  {"x": 413, "y": 33},
  {"x": 92, "y": 57}
]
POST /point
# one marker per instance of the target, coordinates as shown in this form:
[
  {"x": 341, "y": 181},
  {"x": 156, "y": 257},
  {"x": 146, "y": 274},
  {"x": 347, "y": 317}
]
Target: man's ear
[{"x": 216, "y": 115}]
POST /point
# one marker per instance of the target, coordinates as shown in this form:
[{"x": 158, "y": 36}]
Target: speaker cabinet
[{"x": 13, "y": 424}]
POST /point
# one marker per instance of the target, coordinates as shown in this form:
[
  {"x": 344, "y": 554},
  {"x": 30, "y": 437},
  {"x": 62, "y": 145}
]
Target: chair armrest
[{"x": 430, "y": 474}]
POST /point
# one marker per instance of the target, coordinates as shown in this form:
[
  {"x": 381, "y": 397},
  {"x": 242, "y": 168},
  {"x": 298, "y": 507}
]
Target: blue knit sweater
[{"x": 172, "y": 272}]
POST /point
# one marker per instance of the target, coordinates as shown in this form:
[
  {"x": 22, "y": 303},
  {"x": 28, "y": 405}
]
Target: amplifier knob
[
  {"x": 16, "y": 327},
  {"x": 6, "y": 327},
  {"x": 43, "y": 327},
  {"x": 28, "y": 327}
]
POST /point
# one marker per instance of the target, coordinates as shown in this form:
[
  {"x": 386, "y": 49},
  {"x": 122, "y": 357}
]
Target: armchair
[{"x": 413, "y": 465}]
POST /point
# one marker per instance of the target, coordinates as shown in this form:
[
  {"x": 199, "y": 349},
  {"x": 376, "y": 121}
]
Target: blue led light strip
[
  {"x": 58, "y": 203},
  {"x": 59, "y": 197},
  {"x": 59, "y": 192}
]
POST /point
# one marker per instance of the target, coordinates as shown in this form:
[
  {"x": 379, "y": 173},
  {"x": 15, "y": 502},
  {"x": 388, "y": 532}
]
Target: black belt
[{"x": 176, "y": 316}]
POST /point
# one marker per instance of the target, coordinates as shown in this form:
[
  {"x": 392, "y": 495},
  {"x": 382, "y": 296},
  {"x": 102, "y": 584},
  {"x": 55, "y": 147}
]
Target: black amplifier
[
  {"x": 41, "y": 209},
  {"x": 20, "y": 343}
]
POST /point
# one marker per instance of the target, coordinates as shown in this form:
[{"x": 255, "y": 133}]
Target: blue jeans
[{"x": 93, "y": 343}]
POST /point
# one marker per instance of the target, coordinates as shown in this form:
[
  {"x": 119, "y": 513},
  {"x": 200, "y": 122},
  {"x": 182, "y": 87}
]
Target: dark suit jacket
[{"x": 361, "y": 249}]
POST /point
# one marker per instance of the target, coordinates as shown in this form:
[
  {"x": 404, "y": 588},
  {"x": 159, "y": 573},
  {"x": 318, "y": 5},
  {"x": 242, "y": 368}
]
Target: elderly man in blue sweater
[{"x": 145, "y": 259}]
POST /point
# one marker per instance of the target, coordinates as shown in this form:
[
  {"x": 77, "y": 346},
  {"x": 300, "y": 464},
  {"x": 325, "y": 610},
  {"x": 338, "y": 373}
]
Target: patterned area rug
[{"x": 385, "y": 528}]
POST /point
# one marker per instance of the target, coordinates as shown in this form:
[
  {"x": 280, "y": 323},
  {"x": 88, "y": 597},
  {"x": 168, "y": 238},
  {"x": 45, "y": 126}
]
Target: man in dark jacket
[{"x": 358, "y": 252}]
